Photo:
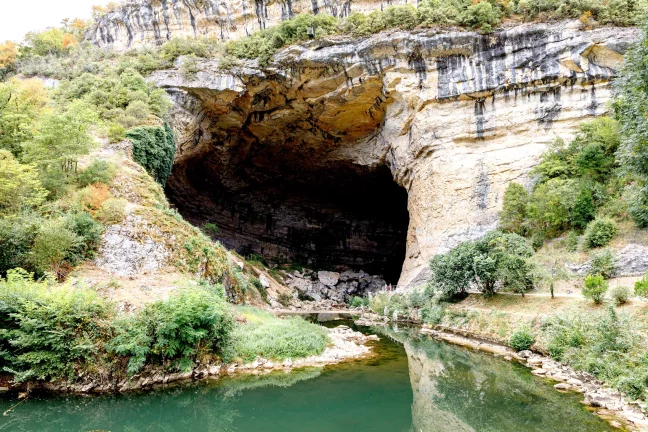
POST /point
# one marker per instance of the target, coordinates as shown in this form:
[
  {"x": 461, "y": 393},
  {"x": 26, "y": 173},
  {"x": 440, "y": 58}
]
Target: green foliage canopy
[
  {"x": 574, "y": 181},
  {"x": 497, "y": 258},
  {"x": 631, "y": 109}
]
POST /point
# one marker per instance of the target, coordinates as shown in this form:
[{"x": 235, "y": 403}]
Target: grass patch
[{"x": 268, "y": 336}]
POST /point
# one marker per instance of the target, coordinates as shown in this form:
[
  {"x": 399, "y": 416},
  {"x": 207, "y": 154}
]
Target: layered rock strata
[
  {"x": 291, "y": 158},
  {"x": 142, "y": 22}
]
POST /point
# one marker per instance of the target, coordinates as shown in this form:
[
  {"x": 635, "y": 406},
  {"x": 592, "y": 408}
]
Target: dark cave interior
[{"x": 294, "y": 207}]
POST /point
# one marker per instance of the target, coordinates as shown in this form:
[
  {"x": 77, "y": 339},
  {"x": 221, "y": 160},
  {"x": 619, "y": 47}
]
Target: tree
[
  {"x": 496, "y": 259},
  {"x": 46, "y": 42},
  {"x": 20, "y": 188},
  {"x": 8, "y": 55},
  {"x": 584, "y": 208},
  {"x": 514, "y": 270},
  {"x": 22, "y": 103},
  {"x": 550, "y": 208},
  {"x": 453, "y": 272},
  {"x": 69, "y": 40},
  {"x": 62, "y": 138},
  {"x": 78, "y": 28},
  {"x": 595, "y": 287},
  {"x": 594, "y": 148},
  {"x": 513, "y": 214}
]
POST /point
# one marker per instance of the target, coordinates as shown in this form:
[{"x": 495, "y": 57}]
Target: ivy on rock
[{"x": 154, "y": 148}]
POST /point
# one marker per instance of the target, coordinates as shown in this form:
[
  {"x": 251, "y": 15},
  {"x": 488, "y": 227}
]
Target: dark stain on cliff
[
  {"x": 480, "y": 120},
  {"x": 416, "y": 62},
  {"x": 482, "y": 188}
]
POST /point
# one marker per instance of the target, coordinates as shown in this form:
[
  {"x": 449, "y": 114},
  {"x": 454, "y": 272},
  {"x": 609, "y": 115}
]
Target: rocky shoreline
[
  {"x": 346, "y": 344},
  {"x": 607, "y": 403}
]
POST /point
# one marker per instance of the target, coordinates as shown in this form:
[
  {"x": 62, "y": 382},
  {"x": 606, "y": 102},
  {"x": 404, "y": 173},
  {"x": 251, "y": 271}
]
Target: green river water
[{"x": 414, "y": 384}]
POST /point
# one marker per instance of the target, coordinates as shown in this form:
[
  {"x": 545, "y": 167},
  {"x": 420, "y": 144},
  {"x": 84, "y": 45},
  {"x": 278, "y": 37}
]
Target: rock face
[
  {"x": 124, "y": 253},
  {"x": 352, "y": 150},
  {"x": 155, "y": 21},
  {"x": 631, "y": 260},
  {"x": 339, "y": 287}
]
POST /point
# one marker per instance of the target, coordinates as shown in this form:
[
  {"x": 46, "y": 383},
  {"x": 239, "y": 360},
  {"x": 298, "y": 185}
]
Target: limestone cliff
[
  {"x": 296, "y": 159},
  {"x": 142, "y": 22}
]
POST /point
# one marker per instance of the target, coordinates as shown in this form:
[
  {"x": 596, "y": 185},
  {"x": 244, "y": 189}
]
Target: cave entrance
[{"x": 332, "y": 215}]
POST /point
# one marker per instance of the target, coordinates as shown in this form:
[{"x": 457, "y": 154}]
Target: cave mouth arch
[{"x": 326, "y": 215}]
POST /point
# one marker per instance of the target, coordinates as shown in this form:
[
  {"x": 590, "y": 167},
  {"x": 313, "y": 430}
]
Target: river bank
[
  {"x": 345, "y": 344},
  {"x": 411, "y": 381},
  {"x": 607, "y": 403}
]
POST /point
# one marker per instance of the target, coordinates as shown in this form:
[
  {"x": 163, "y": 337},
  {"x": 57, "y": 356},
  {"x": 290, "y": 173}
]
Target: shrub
[
  {"x": 620, "y": 294},
  {"x": 48, "y": 332},
  {"x": 378, "y": 302},
  {"x": 432, "y": 312},
  {"x": 210, "y": 228},
  {"x": 187, "y": 324},
  {"x": 439, "y": 12},
  {"x": 641, "y": 287},
  {"x": 112, "y": 211},
  {"x": 256, "y": 283},
  {"x": 52, "y": 245},
  {"x": 595, "y": 287},
  {"x": 176, "y": 47},
  {"x": 154, "y": 149},
  {"x": 179, "y": 330},
  {"x": 603, "y": 262},
  {"x": 358, "y": 302},
  {"x": 92, "y": 197},
  {"x": 522, "y": 339},
  {"x": 608, "y": 345},
  {"x": 403, "y": 16},
  {"x": 89, "y": 232},
  {"x": 565, "y": 333},
  {"x": 138, "y": 110},
  {"x": 16, "y": 238},
  {"x": 264, "y": 43},
  {"x": 285, "y": 299},
  {"x": 600, "y": 232},
  {"x": 189, "y": 67},
  {"x": 638, "y": 206},
  {"x": 207, "y": 260},
  {"x": 572, "y": 241},
  {"x": 265, "y": 335},
  {"x": 99, "y": 171},
  {"x": 482, "y": 15}
]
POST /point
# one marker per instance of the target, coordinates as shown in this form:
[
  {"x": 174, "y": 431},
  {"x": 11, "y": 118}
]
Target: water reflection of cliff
[
  {"x": 457, "y": 390},
  {"x": 426, "y": 414}
]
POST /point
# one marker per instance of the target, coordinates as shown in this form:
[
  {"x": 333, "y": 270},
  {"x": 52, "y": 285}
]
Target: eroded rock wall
[
  {"x": 141, "y": 22},
  {"x": 454, "y": 116}
]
